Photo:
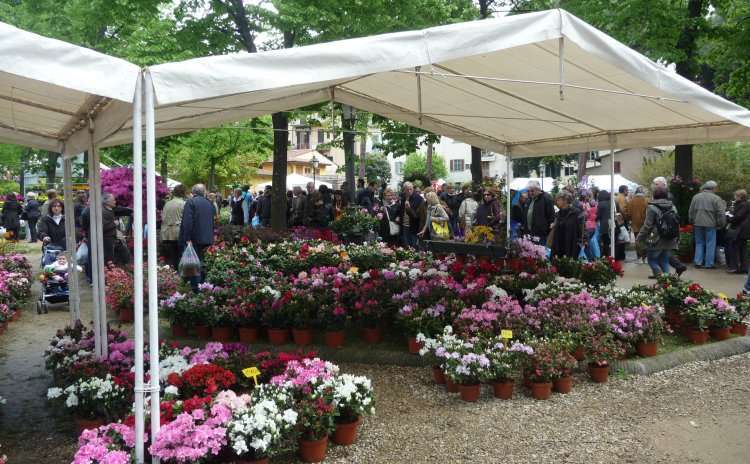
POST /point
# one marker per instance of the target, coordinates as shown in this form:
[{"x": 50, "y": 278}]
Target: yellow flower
[
  {"x": 344, "y": 255},
  {"x": 353, "y": 270},
  {"x": 723, "y": 297}
]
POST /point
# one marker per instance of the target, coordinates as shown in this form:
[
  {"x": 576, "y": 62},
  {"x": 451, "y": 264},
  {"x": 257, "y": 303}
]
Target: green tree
[
  {"x": 415, "y": 168},
  {"x": 377, "y": 168}
]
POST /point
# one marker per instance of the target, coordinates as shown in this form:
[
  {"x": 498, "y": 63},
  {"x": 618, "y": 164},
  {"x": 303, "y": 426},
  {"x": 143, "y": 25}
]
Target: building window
[
  {"x": 617, "y": 167},
  {"x": 321, "y": 136},
  {"x": 398, "y": 166},
  {"x": 485, "y": 169},
  {"x": 457, "y": 165},
  {"x": 569, "y": 170},
  {"x": 303, "y": 140},
  {"x": 308, "y": 170}
]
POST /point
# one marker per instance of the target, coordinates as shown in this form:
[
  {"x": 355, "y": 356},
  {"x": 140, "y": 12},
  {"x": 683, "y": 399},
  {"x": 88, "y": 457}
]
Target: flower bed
[
  {"x": 15, "y": 287},
  {"x": 218, "y": 402}
]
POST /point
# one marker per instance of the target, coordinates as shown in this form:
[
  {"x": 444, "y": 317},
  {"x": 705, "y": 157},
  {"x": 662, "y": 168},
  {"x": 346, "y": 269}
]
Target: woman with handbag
[
  {"x": 436, "y": 223},
  {"x": 390, "y": 222},
  {"x": 738, "y": 233},
  {"x": 490, "y": 213}
]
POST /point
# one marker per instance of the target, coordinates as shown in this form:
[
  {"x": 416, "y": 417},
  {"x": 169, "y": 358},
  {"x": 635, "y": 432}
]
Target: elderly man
[
  {"x": 410, "y": 203},
  {"x": 197, "y": 227},
  {"x": 707, "y": 214},
  {"x": 541, "y": 212},
  {"x": 171, "y": 218}
]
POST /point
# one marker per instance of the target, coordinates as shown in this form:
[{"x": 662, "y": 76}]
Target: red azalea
[
  {"x": 196, "y": 402},
  {"x": 244, "y": 239},
  {"x": 695, "y": 287},
  {"x": 175, "y": 379}
]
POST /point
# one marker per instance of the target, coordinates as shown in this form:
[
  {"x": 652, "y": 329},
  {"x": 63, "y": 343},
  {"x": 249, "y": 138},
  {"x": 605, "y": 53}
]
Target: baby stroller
[{"x": 55, "y": 283}]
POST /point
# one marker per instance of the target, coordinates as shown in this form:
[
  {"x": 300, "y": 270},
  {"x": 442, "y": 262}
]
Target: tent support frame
[
  {"x": 613, "y": 202},
  {"x": 74, "y": 302}
]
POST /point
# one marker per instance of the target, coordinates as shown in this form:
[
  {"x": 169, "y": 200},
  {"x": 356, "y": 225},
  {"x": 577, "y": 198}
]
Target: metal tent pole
[
  {"x": 509, "y": 179},
  {"x": 140, "y": 420},
  {"x": 94, "y": 250},
  {"x": 153, "y": 314},
  {"x": 612, "y": 202},
  {"x": 100, "y": 305},
  {"x": 70, "y": 243}
]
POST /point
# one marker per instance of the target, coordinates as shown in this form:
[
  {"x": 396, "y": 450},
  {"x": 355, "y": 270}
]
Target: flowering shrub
[
  {"x": 480, "y": 234},
  {"x": 354, "y": 222},
  {"x": 108, "y": 444},
  {"x": 603, "y": 348},
  {"x": 92, "y": 398},
  {"x": 742, "y": 305},
  {"x": 119, "y": 182},
  {"x": 525, "y": 247},
  {"x": 193, "y": 436},
  {"x": 352, "y": 397},
  {"x": 638, "y": 324},
  {"x": 203, "y": 378},
  {"x": 504, "y": 360},
  {"x": 601, "y": 272},
  {"x": 725, "y": 314},
  {"x": 305, "y": 375},
  {"x": 549, "y": 361},
  {"x": 699, "y": 314}
]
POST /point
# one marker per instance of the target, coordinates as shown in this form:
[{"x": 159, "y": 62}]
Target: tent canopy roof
[
  {"x": 493, "y": 83},
  {"x": 48, "y": 89}
]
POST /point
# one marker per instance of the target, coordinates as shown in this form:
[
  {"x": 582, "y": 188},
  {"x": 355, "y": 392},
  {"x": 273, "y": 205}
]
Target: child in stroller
[{"x": 54, "y": 278}]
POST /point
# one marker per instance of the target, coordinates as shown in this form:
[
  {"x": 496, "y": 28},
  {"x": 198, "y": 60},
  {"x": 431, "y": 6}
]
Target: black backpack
[{"x": 667, "y": 223}]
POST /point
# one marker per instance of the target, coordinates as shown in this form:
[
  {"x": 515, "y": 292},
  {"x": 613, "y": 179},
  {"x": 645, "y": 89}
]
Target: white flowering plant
[
  {"x": 255, "y": 431},
  {"x": 464, "y": 361},
  {"x": 505, "y": 358},
  {"x": 93, "y": 398},
  {"x": 352, "y": 397}
]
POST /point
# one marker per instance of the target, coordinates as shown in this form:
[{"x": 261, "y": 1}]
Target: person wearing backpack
[
  {"x": 707, "y": 214},
  {"x": 660, "y": 232}
]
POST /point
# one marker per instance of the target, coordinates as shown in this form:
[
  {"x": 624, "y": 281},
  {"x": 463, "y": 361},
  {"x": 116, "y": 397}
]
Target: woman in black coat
[
  {"x": 11, "y": 215},
  {"x": 568, "y": 228},
  {"x": 235, "y": 206},
  {"x": 603, "y": 209},
  {"x": 32, "y": 213},
  {"x": 51, "y": 228},
  {"x": 738, "y": 234}
]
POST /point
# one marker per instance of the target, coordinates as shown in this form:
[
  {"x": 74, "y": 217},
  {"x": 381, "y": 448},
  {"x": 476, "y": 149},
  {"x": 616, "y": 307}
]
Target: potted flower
[
  {"x": 119, "y": 292},
  {"x": 565, "y": 363},
  {"x": 504, "y": 363},
  {"x": 316, "y": 421},
  {"x": 301, "y": 310},
  {"x": 698, "y": 316},
  {"x": 332, "y": 318},
  {"x": 193, "y": 436},
  {"x": 255, "y": 431},
  {"x": 206, "y": 302},
  {"x": 353, "y": 399},
  {"x": 111, "y": 443},
  {"x": 641, "y": 326},
  {"x": 202, "y": 379},
  {"x": 277, "y": 320},
  {"x": 601, "y": 350},
  {"x": 725, "y": 316},
  {"x": 92, "y": 400},
  {"x": 222, "y": 324},
  {"x": 467, "y": 369},
  {"x": 180, "y": 311},
  {"x": 742, "y": 306}
]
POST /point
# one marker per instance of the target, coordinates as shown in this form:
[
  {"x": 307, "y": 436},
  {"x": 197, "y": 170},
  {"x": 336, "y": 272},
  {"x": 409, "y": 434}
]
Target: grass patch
[{"x": 672, "y": 342}]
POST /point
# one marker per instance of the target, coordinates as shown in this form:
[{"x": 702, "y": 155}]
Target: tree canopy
[{"x": 415, "y": 168}]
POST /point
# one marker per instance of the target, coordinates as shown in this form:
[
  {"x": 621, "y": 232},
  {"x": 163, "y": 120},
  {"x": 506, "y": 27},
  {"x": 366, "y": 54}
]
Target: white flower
[
  {"x": 72, "y": 400},
  {"x": 54, "y": 392},
  {"x": 290, "y": 416},
  {"x": 172, "y": 390}
]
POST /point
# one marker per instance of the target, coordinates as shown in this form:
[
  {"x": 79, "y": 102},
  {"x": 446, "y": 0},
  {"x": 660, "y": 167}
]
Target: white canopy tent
[{"x": 548, "y": 183}]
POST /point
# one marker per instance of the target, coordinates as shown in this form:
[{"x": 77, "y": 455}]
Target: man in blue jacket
[{"x": 197, "y": 227}]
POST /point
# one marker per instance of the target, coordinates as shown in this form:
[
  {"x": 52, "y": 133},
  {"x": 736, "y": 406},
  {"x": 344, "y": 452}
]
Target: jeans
[
  {"x": 658, "y": 260},
  {"x": 409, "y": 238},
  {"x": 705, "y": 246},
  {"x": 746, "y": 288}
]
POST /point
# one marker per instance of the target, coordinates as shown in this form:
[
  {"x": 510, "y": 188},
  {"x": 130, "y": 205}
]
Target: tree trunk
[
  {"x": 86, "y": 165},
  {"x": 212, "y": 175},
  {"x": 582, "y": 160},
  {"x": 22, "y": 174},
  {"x": 348, "y": 128},
  {"x": 163, "y": 169},
  {"x": 476, "y": 165},
  {"x": 428, "y": 162},
  {"x": 362, "y": 166},
  {"x": 51, "y": 169},
  {"x": 278, "y": 180}
]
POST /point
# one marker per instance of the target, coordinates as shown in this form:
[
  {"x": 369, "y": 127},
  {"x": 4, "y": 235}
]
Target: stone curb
[{"x": 712, "y": 351}]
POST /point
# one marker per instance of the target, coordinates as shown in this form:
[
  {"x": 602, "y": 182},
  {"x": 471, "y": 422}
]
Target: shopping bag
[
  {"x": 190, "y": 264},
  {"x": 441, "y": 230},
  {"x": 255, "y": 222},
  {"x": 82, "y": 254},
  {"x": 582, "y": 254}
]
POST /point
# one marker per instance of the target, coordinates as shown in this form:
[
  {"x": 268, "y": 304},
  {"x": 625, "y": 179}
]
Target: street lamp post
[{"x": 315, "y": 163}]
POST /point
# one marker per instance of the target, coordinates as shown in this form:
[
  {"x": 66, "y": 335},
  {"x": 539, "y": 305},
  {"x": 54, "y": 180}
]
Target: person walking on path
[
  {"x": 410, "y": 202},
  {"x": 11, "y": 216},
  {"x": 637, "y": 207},
  {"x": 602, "y": 217},
  {"x": 32, "y": 213},
  {"x": 197, "y": 228},
  {"x": 675, "y": 262},
  {"x": 237, "y": 217},
  {"x": 52, "y": 226},
  {"x": 568, "y": 228},
  {"x": 171, "y": 219},
  {"x": 707, "y": 214},
  {"x": 660, "y": 232},
  {"x": 738, "y": 234},
  {"x": 540, "y": 214}
]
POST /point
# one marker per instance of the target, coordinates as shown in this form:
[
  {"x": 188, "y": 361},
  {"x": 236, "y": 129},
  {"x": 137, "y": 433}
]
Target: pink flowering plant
[
  {"x": 550, "y": 361},
  {"x": 505, "y": 358},
  {"x": 603, "y": 348},
  {"x": 194, "y": 436},
  {"x": 525, "y": 247},
  {"x": 108, "y": 444},
  {"x": 638, "y": 324},
  {"x": 699, "y": 314},
  {"x": 725, "y": 314},
  {"x": 119, "y": 182},
  {"x": 305, "y": 375}
]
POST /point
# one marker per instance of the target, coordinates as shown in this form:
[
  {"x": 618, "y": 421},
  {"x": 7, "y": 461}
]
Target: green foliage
[
  {"x": 377, "y": 168},
  {"x": 415, "y": 168},
  {"x": 726, "y": 163}
]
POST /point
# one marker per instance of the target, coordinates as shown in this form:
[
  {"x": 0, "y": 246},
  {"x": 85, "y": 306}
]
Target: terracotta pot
[
  {"x": 720, "y": 333},
  {"x": 541, "y": 391},
  {"x": 346, "y": 434},
  {"x": 278, "y": 336},
  {"x": 372, "y": 336},
  {"x": 302, "y": 336},
  {"x": 563, "y": 384},
  {"x": 335, "y": 339},
  {"x": 739, "y": 329},
  {"x": 438, "y": 376},
  {"x": 251, "y": 461},
  {"x": 579, "y": 353},
  {"x": 450, "y": 386},
  {"x": 503, "y": 389},
  {"x": 88, "y": 424},
  {"x": 647, "y": 349},
  {"x": 203, "y": 331},
  {"x": 313, "y": 450},
  {"x": 248, "y": 334},
  {"x": 221, "y": 334},
  {"x": 470, "y": 392},
  {"x": 697, "y": 337},
  {"x": 126, "y": 315},
  {"x": 598, "y": 374},
  {"x": 414, "y": 345},
  {"x": 179, "y": 331}
]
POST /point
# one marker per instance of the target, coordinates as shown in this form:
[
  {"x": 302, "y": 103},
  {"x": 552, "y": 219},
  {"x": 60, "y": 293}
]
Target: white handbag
[{"x": 394, "y": 228}]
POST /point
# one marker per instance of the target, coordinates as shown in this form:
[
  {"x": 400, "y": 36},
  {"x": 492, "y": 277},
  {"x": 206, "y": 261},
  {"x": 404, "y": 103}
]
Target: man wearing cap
[
  {"x": 541, "y": 212},
  {"x": 707, "y": 214}
]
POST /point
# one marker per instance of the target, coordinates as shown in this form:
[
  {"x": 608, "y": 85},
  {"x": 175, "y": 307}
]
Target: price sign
[
  {"x": 252, "y": 372},
  {"x": 506, "y": 334}
]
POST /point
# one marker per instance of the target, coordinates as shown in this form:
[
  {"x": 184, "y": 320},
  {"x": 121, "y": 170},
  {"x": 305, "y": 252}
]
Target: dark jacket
[
  {"x": 414, "y": 202},
  {"x": 32, "y": 210},
  {"x": 238, "y": 215},
  {"x": 453, "y": 202},
  {"x": 109, "y": 226},
  {"x": 649, "y": 233},
  {"x": 12, "y": 214},
  {"x": 197, "y": 222},
  {"x": 365, "y": 199},
  {"x": 56, "y": 232},
  {"x": 489, "y": 214},
  {"x": 542, "y": 216},
  {"x": 740, "y": 219},
  {"x": 264, "y": 210},
  {"x": 566, "y": 239},
  {"x": 393, "y": 212},
  {"x": 603, "y": 214}
]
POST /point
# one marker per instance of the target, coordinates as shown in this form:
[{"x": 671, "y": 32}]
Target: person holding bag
[
  {"x": 196, "y": 230},
  {"x": 436, "y": 223},
  {"x": 390, "y": 225}
]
